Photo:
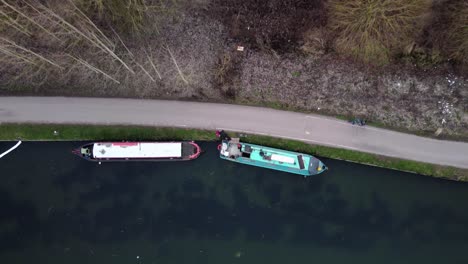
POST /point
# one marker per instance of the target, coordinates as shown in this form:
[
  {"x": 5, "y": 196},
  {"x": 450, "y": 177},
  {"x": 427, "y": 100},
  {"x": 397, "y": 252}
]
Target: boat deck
[
  {"x": 284, "y": 159},
  {"x": 266, "y": 157},
  {"x": 122, "y": 150},
  {"x": 187, "y": 149}
]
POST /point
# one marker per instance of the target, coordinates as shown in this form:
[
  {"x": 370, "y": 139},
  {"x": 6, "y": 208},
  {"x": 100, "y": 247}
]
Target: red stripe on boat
[
  {"x": 197, "y": 153},
  {"x": 125, "y": 144}
]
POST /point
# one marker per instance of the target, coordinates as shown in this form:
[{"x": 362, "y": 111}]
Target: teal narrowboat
[{"x": 270, "y": 158}]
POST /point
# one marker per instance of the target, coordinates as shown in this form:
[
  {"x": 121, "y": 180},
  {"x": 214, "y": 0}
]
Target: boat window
[
  {"x": 248, "y": 149},
  {"x": 301, "y": 162}
]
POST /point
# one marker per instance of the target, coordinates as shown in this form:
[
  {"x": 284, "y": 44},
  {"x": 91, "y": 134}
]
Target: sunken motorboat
[
  {"x": 139, "y": 151},
  {"x": 271, "y": 158}
]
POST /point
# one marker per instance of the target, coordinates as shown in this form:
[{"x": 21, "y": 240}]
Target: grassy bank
[
  {"x": 437, "y": 171},
  {"x": 97, "y": 132}
]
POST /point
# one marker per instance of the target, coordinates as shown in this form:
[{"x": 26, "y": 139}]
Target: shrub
[
  {"x": 315, "y": 41},
  {"x": 272, "y": 24},
  {"x": 457, "y": 33},
  {"x": 447, "y": 33},
  {"x": 127, "y": 15},
  {"x": 373, "y": 30}
]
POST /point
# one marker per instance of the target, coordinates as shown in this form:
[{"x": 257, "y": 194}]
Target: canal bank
[{"x": 98, "y": 132}]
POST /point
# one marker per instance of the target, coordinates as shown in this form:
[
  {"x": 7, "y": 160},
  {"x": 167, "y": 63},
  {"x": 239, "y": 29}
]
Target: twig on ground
[
  {"x": 121, "y": 41},
  {"x": 150, "y": 58},
  {"x": 13, "y": 23},
  {"x": 93, "y": 68},
  {"x": 29, "y": 19},
  {"x": 146, "y": 72},
  {"x": 177, "y": 66},
  {"x": 12, "y": 43},
  {"x": 96, "y": 42}
]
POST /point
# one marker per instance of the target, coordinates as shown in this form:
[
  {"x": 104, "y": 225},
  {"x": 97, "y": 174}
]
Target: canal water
[{"x": 58, "y": 208}]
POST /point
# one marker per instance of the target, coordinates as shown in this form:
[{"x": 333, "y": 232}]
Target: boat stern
[
  {"x": 223, "y": 149},
  {"x": 196, "y": 150},
  {"x": 86, "y": 151},
  {"x": 230, "y": 149}
]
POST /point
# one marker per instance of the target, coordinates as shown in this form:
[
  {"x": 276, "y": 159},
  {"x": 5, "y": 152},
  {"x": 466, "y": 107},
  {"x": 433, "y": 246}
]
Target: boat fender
[{"x": 219, "y": 147}]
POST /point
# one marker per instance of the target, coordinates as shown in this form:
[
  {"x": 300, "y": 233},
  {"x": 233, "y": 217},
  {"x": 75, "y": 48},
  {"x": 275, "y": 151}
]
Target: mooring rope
[{"x": 10, "y": 150}]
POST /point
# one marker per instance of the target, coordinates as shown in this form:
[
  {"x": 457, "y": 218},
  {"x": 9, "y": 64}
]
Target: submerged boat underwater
[
  {"x": 271, "y": 158},
  {"x": 139, "y": 151}
]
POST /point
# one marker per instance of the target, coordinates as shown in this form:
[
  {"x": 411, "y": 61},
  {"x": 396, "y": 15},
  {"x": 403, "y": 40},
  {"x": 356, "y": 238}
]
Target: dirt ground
[{"x": 286, "y": 63}]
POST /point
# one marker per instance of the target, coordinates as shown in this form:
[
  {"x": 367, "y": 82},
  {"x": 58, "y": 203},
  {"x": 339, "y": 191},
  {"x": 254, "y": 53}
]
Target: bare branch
[
  {"x": 94, "y": 69},
  {"x": 121, "y": 41},
  {"x": 16, "y": 55},
  {"x": 31, "y": 52},
  {"x": 15, "y": 24},
  {"x": 109, "y": 43},
  {"x": 152, "y": 64},
  {"x": 29, "y": 19},
  {"x": 96, "y": 42},
  {"x": 177, "y": 66},
  {"x": 146, "y": 72},
  {"x": 47, "y": 17}
]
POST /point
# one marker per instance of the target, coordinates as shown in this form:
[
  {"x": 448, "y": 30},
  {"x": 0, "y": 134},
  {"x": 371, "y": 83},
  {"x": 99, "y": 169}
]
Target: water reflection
[{"x": 51, "y": 199}]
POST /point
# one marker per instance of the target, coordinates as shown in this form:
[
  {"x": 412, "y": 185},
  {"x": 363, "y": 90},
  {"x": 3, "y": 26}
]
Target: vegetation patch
[
  {"x": 447, "y": 34},
  {"x": 373, "y": 30},
  {"x": 458, "y": 33},
  {"x": 227, "y": 70},
  {"x": 275, "y": 25},
  {"x": 85, "y": 44},
  {"x": 315, "y": 41},
  {"x": 127, "y": 15}
]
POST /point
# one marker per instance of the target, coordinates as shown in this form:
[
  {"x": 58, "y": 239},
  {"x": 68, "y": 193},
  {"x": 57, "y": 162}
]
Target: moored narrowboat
[
  {"x": 139, "y": 151},
  {"x": 270, "y": 158}
]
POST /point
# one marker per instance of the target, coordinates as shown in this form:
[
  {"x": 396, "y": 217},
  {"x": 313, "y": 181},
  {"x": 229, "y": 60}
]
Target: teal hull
[{"x": 271, "y": 158}]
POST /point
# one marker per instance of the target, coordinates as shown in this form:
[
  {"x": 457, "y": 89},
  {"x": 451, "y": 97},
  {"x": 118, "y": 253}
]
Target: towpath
[{"x": 304, "y": 127}]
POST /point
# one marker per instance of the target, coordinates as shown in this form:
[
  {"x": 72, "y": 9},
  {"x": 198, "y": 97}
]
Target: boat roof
[
  {"x": 279, "y": 157},
  {"x": 284, "y": 159},
  {"x": 137, "y": 150},
  {"x": 267, "y": 157}
]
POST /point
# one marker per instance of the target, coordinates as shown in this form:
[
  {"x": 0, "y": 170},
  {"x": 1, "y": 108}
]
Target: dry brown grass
[
  {"x": 446, "y": 35},
  {"x": 373, "y": 30},
  {"x": 127, "y": 15},
  {"x": 457, "y": 34},
  {"x": 60, "y": 41},
  {"x": 315, "y": 41},
  {"x": 271, "y": 25}
]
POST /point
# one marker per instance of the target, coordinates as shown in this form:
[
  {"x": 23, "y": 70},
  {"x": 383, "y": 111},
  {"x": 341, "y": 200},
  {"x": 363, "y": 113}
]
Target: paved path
[{"x": 305, "y": 127}]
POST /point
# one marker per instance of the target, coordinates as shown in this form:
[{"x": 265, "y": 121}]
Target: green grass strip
[
  {"x": 99, "y": 132},
  {"x": 121, "y": 132}
]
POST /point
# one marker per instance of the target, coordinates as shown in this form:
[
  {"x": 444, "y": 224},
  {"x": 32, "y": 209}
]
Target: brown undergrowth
[
  {"x": 447, "y": 34},
  {"x": 375, "y": 30},
  {"x": 174, "y": 49},
  {"x": 275, "y": 25}
]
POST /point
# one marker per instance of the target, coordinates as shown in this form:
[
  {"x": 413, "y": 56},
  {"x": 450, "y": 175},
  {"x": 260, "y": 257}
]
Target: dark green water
[{"x": 58, "y": 208}]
